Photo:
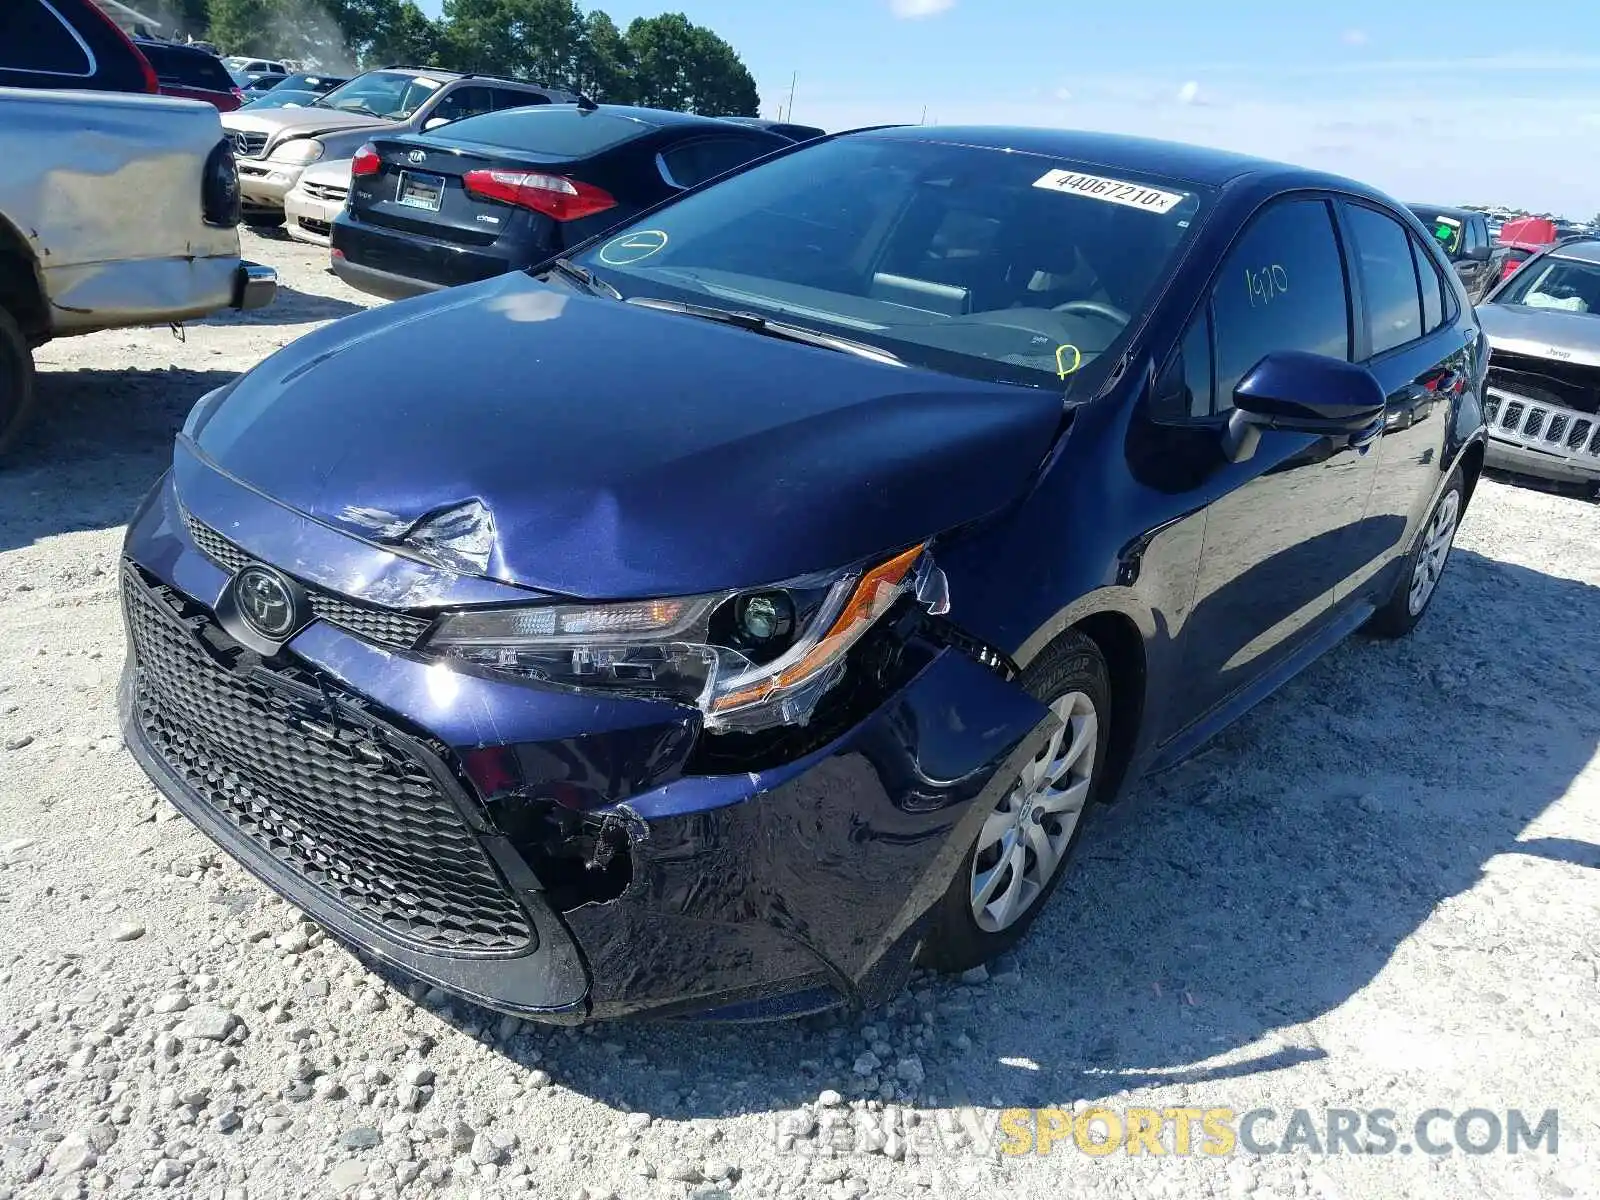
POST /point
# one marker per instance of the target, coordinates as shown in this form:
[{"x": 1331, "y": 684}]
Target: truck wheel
[{"x": 16, "y": 380}]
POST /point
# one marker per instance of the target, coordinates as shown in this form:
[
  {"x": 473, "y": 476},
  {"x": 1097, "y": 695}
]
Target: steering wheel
[{"x": 1094, "y": 308}]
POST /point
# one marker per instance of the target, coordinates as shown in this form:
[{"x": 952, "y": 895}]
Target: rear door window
[
  {"x": 1282, "y": 287},
  {"x": 1432, "y": 287},
  {"x": 691, "y": 163},
  {"x": 1382, "y": 254},
  {"x": 463, "y": 102},
  {"x": 34, "y": 37},
  {"x": 505, "y": 98}
]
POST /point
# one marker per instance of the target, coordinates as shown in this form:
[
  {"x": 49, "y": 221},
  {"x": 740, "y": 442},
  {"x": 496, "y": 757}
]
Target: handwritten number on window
[{"x": 1266, "y": 285}]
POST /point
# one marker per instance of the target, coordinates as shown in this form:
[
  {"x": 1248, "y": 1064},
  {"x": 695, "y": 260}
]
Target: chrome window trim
[{"x": 88, "y": 54}]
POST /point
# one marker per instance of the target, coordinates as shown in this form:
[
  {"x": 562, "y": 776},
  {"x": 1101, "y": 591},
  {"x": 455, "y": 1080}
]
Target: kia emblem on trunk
[{"x": 417, "y": 156}]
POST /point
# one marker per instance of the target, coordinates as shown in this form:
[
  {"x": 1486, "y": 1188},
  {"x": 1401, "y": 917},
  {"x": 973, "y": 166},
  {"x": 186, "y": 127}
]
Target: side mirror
[
  {"x": 434, "y": 123},
  {"x": 1301, "y": 393},
  {"x": 1477, "y": 254}
]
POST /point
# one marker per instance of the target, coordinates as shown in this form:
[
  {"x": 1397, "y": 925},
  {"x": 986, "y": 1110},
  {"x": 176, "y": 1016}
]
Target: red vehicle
[
  {"x": 191, "y": 73},
  {"x": 1522, "y": 239}
]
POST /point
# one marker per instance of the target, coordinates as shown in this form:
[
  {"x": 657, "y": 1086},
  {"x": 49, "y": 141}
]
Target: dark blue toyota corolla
[{"x": 730, "y": 616}]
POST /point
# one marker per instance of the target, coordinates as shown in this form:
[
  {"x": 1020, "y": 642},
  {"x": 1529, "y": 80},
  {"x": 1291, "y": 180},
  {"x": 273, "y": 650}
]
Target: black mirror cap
[{"x": 1292, "y": 389}]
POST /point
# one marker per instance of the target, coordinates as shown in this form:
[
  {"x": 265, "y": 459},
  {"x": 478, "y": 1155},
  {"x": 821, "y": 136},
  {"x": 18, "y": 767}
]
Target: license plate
[{"x": 420, "y": 191}]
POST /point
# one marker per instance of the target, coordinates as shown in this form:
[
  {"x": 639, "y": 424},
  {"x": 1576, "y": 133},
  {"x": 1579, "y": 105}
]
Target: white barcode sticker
[{"x": 1113, "y": 191}]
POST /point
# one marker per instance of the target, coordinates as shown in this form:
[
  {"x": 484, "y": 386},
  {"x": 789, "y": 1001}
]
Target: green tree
[
  {"x": 537, "y": 40},
  {"x": 299, "y": 29},
  {"x": 382, "y": 32},
  {"x": 243, "y": 26},
  {"x": 605, "y": 61},
  {"x": 681, "y": 65}
]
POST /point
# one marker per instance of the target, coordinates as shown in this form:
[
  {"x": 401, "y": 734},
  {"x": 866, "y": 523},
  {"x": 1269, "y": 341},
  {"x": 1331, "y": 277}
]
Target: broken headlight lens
[{"x": 747, "y": 659}]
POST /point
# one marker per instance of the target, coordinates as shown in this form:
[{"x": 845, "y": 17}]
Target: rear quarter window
[
  {"x": 552, "y": 131},
  {"x": 693, "y": 162},
  {"x": 33, "y": 37}
]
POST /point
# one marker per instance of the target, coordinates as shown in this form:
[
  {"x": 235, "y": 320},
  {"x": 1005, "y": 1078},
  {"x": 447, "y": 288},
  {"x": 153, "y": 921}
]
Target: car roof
[
  {"x": 173, "y": 47},
  {"x": 662, "y": 117},
  {"x": 1584, "y": 250},
  {"x": 1445, "y": 210},
  {"x": 1178, "y": 160}
]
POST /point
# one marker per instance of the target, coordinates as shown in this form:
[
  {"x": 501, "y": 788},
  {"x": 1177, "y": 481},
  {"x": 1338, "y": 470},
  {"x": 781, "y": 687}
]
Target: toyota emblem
[
  {"x": 417, "y": 156},
  {"x": 265, "y": 602}
]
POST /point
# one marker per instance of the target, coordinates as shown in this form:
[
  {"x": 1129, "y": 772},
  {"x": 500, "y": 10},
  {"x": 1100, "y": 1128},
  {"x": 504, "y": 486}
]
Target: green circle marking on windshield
[{"x": 633, "y": 247}]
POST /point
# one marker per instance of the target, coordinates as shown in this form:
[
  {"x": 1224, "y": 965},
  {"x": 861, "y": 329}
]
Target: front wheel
[
  {"x": 1419, "y": 577},
  {"x": 1022, "y": 848}
]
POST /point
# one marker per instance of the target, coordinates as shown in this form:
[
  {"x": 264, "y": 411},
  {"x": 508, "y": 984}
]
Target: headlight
[
  {"x": 746, "y": 659},
  {"x": 300, "y": 150}
]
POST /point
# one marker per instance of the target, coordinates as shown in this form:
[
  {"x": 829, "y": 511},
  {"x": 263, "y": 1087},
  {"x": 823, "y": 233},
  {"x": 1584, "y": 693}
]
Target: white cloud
[
  {"x": 1354, "y": 37},
  {"x": 911, "y": 10},
  {"x": 1063, "y": 94},
  {"x": 1189, "y": 93}
]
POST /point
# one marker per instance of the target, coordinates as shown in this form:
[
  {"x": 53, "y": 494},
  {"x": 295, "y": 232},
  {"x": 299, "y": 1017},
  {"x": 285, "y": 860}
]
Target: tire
[
  {"x": 1419, "y": 578},
  {"x": 1071, "y": 677},
  {"x": 16, "y": 381},
  {"x": 264, "y": 220}
]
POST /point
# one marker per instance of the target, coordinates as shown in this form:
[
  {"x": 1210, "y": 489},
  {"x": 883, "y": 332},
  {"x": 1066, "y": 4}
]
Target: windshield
[
  {"x": 1446, "y": 230},
  {"x": 394, "y": 95},
  {"x": 283, "y": 98},
  {"x": 994, "y": 265},
  {"x": 1556, "y": 283}
]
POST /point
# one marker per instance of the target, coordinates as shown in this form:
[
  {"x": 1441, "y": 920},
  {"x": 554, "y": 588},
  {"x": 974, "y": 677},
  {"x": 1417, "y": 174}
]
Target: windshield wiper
[
  {"x": 584, "y": 278},
  {"x": 755, "y": 323}
]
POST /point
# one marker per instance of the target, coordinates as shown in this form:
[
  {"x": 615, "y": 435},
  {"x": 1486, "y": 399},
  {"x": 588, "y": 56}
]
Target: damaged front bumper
[{"x": 636, "y": 873}]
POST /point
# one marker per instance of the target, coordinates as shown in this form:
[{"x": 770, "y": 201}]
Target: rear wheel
[
  {"x": 1419, "y": 577},
  {"x": 16, "y": 380},
  {"x": 1023, "y": 846}
]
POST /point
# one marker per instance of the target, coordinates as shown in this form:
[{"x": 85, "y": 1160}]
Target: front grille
[
  {"x": 248, "y": 145},
  {"x": 1551, "y": 381},
  {"x": 312, "y": 225},
  {"x": 332, "y": 193},
  {"x": 355, "y": 808},
  {"x": 1539, "y": 425},
  {"x": 384, "y": 626}
]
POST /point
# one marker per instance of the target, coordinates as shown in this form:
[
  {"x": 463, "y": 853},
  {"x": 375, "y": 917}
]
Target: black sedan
[{"x": 504, "y": 190}]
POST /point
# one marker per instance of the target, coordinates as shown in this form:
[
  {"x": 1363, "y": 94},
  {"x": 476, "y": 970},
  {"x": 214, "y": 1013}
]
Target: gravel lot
[{"x": 1380, "y": 890}]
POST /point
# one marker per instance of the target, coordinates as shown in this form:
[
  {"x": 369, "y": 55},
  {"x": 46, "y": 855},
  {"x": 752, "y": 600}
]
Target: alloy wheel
[
  {"x": 1436, "y": 542},
  {"x": 1026, "y": 837}
]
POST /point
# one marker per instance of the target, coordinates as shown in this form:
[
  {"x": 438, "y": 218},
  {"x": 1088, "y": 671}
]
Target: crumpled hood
[
  {"x": 621, "y": 451},
  {"x": 1542, "y": 332}
]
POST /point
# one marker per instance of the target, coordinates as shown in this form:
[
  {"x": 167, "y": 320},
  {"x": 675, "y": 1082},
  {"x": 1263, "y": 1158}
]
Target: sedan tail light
[
  {"x": 366, "y": 161},
  {"x": 553, "y": 195}
]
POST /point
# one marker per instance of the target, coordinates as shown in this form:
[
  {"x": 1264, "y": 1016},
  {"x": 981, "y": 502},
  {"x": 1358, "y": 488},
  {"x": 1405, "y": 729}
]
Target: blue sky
[{"x": 1461, "y": 102}]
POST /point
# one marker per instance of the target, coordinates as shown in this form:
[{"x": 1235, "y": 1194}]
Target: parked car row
[{"x": 510, "y": 189}]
